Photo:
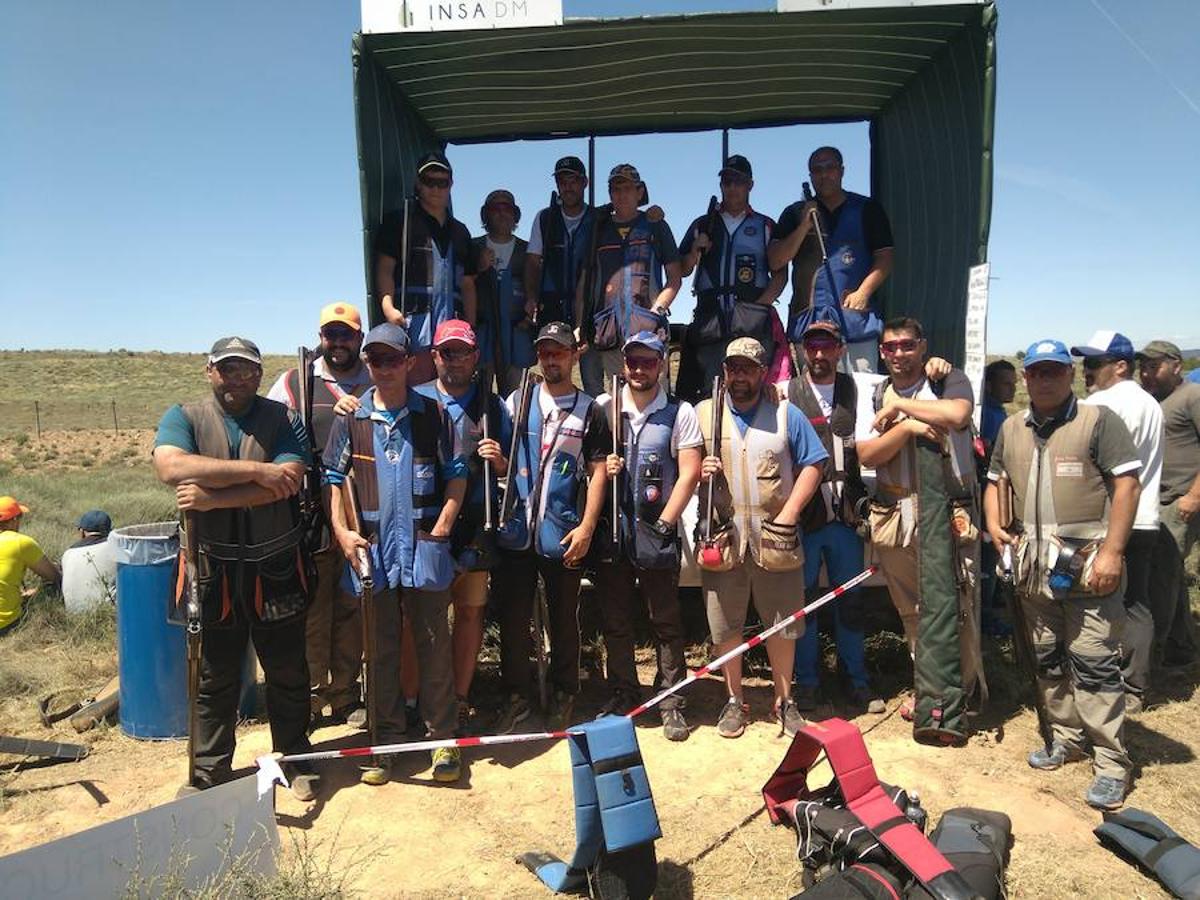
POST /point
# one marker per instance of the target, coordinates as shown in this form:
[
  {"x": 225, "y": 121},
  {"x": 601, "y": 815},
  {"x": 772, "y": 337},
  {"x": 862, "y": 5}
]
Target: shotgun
[
  {"x": 404, "y": 245},
  {"x": 366, "y": 579},
  {"x": 1006, "y": 588},
  {"x": 520, "y": 424},
  {"x": 587, "y": 327},
  {"x": 191, "y": 540},
  {"x": 615, "y": 393},
  {"x": 489, "y": 522},
  {"x": 312, "y": 510},
  {"x": 551, "y": 224},
  {"x": 708, "y": 549}
]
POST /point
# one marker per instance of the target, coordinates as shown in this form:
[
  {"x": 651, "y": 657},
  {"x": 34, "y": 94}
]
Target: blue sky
[{"x": 163, "y": 183}]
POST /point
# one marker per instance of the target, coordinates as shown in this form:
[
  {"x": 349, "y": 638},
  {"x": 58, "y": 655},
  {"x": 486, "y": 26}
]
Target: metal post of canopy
[
  {"x": 592, "y": 170},
  {"x": 724, "y": 145}
]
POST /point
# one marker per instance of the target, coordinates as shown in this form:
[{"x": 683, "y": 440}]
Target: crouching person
[{"x": 396, "y": 451}]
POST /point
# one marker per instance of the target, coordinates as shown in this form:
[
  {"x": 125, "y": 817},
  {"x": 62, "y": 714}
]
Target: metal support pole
[
  {"x": 37, "y": 419},
  {"x": 116, "y": 430},
  {"x": 724, "y": 145},
  {"x": 591, "y": 170}
]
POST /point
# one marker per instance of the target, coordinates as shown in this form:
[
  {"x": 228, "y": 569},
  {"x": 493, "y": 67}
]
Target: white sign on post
[
  {"x": 975, "y": 358},
  {"x": 381, "y": 16}
]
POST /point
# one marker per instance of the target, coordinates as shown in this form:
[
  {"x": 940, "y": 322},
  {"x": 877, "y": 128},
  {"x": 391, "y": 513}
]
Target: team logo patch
[
  {"x": 745, "y": 274},
  {"x": 652, "y": 493},
  {"x": 847, "y": 257},
  {"x": 750, "y": 230}
]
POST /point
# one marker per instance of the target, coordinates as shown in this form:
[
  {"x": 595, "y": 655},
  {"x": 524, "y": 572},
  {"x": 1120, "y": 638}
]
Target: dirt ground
[{"x": 413, "y": 838}]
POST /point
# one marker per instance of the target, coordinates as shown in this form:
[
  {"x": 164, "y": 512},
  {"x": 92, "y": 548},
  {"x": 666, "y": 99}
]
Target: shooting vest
[
  {"x": 323, "y": 394},
  {"x": 646, "y": 485},
  {"x": 250, "y": 558},
  {"x": 736, "y": 268},
  {"x": 549, "y": 472},
  {"x": 630, "y": 276},
  {"x": 841, "y": 482},
  {"x": 564, "y": 253},
  {"x": 758, "y": 479},
  {"x": 401, "y": 491},
  {"x": 503, "y": 293},
  {"x": 849, "y": 262},
  {"x": 440, "y": 297},
  {"x": 1058, "y": 491}
]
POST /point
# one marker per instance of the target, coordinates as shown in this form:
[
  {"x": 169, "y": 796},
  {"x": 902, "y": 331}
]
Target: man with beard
[
  {"x": 334, "y": 631},
  {"x": 735, "y": 287},
  {"x": 924, "y": 531},
  {"x": 1108, "y": 375},
  {"x": 654, "y": 475},
  {"x": 1072, "y": 470},
  {"x": 859, "y": 246},
  {"x": 765, "y": 470},
  {"x": 829, "y": 399},
  {"x": 441, "y": 266},
  {"x": 236, "y": 461},
  {"x": 500, "y": 286},
  {"x": 1160, "y": 367},
  {"x": 561, "y": 446}
]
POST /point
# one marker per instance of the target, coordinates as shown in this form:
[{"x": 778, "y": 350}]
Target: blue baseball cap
[
  {"x": 1048, "y": 350},
  {"x": 387, "y": 334},
  {"x": 647, "y": 339},
  {"x": 95, "y": 521},
  {"x": 1106, "y": 343}
]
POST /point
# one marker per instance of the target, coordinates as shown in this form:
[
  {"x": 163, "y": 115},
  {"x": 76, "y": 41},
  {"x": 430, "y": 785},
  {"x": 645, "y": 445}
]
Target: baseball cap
[
  {"x": 500, "y": 195},
  {"x": 1160, "y": 350},
  {"x": 1106, "y": 343},
  {"x": 747, "y": 348},
  {"x": 96, "y": 521},
  {"x": 433, "y": 161},
  {"x": 823, "y": 326},
  {"x": 572, "y": 164},
  {"x": 341, "y": 312},
  {"x": 234, "y": 348},
  {"x": 559, "y": 332},
  {"x": 647, "y": 339},
  {"x": 454, "y": 330},
  {"x": 1048, "y": 350},
  {"x": 387, "y": 335},
  {"x": 626, "y": 172},
  {"x": 739, "y": 164},
  {"x": 10, "y": 508}
]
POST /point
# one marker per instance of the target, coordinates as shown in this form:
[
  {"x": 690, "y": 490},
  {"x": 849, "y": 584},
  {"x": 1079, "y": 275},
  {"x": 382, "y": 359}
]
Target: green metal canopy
[{"x": 923, "y": 76}]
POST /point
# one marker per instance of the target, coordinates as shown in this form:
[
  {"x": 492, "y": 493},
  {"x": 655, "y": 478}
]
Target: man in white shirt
[
  {"x": 89, "y": 569},
  {"x": 1108, "y": 369}
]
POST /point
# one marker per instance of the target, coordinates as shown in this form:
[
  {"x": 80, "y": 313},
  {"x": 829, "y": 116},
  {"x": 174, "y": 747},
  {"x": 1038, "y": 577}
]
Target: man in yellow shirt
[{"x": 18, "y": 552}]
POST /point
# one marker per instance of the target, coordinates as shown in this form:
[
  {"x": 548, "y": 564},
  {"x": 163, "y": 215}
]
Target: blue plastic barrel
[{"x": 152, "y": 651}]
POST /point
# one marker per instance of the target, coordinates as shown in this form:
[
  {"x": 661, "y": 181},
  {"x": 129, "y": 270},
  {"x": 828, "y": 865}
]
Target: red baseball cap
[
  {"x": 10, "y": 508},
  {"x": 454, "y": 330}
]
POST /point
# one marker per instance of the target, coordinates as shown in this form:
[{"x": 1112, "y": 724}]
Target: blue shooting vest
[
  {"x": 616, "y": 823},
  {"x": 401, "y": 492},
  {"x": 516, "y": 344},
  {"x": 650, "y": 475},
  {"x": 740, "y": 270},
  {"x": 548, "y": 484},
  {"x": 430, "y": 304},
  {"x": 849, "y": 261},
  {"x": 630, "y": 277},
  {"x": 564, "y": 253}
]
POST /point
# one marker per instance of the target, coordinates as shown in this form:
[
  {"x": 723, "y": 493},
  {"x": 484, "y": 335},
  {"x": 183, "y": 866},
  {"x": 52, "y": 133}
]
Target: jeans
[{"x": 842, "y": 551}]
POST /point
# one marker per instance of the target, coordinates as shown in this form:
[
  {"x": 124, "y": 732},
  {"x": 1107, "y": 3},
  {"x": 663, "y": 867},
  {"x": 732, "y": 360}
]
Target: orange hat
[
  {"x": 10, "y": 508},
  {"x": 341, "y": 312}
]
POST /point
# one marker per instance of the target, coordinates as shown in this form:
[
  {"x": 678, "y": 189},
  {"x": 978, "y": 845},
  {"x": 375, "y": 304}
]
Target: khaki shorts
[
  {"x": 470, "y": 589},
  {"x": 727, "y": 598}
]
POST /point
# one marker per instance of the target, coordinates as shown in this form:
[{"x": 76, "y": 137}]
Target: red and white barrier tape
[{"x": 496, "y": 739}]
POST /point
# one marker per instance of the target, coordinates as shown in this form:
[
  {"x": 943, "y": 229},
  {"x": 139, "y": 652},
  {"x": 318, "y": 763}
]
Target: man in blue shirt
[
  {"x": 999, "y": 388},
  {"x": 765, "y": 469},
  {"x": 409, "y": 486}
]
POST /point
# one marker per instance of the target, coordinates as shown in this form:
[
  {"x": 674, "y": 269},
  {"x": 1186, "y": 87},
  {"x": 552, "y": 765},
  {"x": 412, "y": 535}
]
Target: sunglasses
[
  {"x": 460, "y": 353},
  {"x": 238, "y": 369},
  {"x": 338, "y": 333},
  {"x": 727, "y": 180},
  {"x": 1092, "y": 363},
  {"x": 826, "y": 344},
  {"x": 385, "y": 360},
  {"x": 906, "y": 345},
  {"x": 641, "y": 363},
  {"x": 440, "y": 184}
]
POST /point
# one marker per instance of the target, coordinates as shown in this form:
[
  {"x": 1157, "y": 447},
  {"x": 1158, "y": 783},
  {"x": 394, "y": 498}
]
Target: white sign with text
[
  {"x": 381, "y": 16},
  {"x": 975, "y": 357}
]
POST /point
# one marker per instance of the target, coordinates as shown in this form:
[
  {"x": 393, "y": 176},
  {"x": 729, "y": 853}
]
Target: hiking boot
[
  {"x": 734, "y": 717},
  {"x": 562, "y": 708},
  {"x": 866, "y": 698},
  {"x": 464, "y": 718},
  {"x": 805, "y": 697},
  {"x": 1133, "y": 704},
  {"x": 675, "y": 727},
  {"x": 1057, "y": 757},
  {"x": 788, "y": 716},
  {"x": 447, "y": 764},
  {"x": 305, "y": 782},
  {"x": 358, "y": 718},
  {"x": 378, "y": 771},
  {"x": 1106, "y": 793},
  {"x": 618, "y": 704},
  {"x": 515, "y": 711}
]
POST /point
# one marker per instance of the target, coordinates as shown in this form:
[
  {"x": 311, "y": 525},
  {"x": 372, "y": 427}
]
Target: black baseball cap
[
  {"x": 739, "y": 164},
  {"x": 571, "y": 164},
  {"x": 559, "y": 332},
  {"x": 234, "y": 348},
  {"x": 434, "y": 161}
]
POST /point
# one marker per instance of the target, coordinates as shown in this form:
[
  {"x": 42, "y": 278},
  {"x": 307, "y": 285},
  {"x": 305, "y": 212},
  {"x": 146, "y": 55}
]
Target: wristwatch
[{"x": 663, "y": 529}]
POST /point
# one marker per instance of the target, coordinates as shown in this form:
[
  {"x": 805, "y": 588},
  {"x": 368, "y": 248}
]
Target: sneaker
[
  {"x": 788, "y": 716},
  {"x": 1057, "y": 757},
  {"x": 1133, "y": 704},
  {"x": 865, "y": 697},
  {"x": 675, "y": 727},
  {"x": 378, "y": 771},
  {"x": 734, "y": 716},
  {"x": 305, "y": 783},
  {"x": 447, "y": 764},
  {"x": 464, "y": 718},
  {"x": 515, "y": 711},
  {"x": 805, "y": 697},
  {"x": 358, "y": 718},
  {"x": 1106, "y": 793},
  {"x": 562, "y": 710}
]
